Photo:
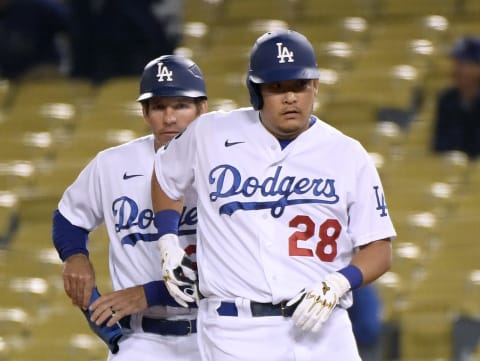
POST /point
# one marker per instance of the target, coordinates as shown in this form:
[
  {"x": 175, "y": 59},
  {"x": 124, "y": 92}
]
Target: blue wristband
[
  {"x": 353, "y": 275},
  {"x": 157, "y": 295},
  {"x": 167, "y": 221}
]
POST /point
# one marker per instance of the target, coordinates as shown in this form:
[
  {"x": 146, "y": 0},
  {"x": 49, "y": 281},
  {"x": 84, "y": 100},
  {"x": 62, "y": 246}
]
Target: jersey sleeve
[
  {"x": 369, "y": 217},
  {"x": 81, "y": 203},
  {"x": 175, "y": 163}
]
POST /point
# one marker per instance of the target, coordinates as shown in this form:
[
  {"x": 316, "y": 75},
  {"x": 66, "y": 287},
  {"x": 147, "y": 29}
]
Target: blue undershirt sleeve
[{"x": 67, "y": 238}]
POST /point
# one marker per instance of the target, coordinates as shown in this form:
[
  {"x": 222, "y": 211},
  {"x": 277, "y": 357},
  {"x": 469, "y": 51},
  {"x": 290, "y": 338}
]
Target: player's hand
[
  {"x": 177, "y": 270},
  {"x": 316, "y": 303},
  {"x": 117, "y": 305},
  {"x": 108, "y": 334},
  {"x": 78, "y": 279}
]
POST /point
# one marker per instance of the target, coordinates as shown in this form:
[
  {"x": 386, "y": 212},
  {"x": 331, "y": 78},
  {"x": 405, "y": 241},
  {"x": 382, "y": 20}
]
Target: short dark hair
[{"x": 197, "y": 101}]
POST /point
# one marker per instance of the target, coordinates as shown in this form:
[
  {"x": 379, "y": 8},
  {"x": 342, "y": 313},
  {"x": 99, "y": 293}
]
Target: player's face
[
  {"x": 287, "y": 106},
  {"x": 168, "y": 116}
]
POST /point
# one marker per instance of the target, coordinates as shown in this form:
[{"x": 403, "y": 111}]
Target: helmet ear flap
[{"x": 255, "y": 96}]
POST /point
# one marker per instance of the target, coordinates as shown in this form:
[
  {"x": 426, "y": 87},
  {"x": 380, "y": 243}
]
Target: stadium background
[{"x": 383, "y": 62}]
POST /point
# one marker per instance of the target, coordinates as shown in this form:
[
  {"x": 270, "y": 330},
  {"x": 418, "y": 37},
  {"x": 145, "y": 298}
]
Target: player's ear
[
  {"x": 145, "y": 111},
  {"x": 202, "y": 106},
  {"x": 315, "y": 85},
  {"x": 144, "y": 108}
]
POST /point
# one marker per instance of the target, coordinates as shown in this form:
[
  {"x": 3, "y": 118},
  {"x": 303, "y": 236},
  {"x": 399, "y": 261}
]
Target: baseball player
[
  {"x": 115, "y": 188},
  {"x": 292, "y": 217}
]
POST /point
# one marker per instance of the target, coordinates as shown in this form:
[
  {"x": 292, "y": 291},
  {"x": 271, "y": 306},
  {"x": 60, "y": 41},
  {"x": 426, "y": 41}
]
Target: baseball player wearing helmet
[
  {"x": 114, "y": 188},
  {"x": 292, "y": 217}
]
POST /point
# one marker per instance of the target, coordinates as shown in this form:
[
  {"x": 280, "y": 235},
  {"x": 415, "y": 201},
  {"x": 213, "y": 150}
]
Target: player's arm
[
  {"x": 172, "y": 177},
  {"x": 315, "y": 304},
  {"x": 177, "y": 268},
  {"x": 161, "y": 201},
  {"x": 70, "y": 242},
  {"x": 373, "y": 260},
  {"x": 79, "y": 211},
  {"x": 129, "y": 301},
  {"x": 367, "y": 215}
]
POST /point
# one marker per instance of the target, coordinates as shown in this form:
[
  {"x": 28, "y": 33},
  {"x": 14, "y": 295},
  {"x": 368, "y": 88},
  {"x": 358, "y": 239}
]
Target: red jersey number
[{"x": 328, "y": 233}]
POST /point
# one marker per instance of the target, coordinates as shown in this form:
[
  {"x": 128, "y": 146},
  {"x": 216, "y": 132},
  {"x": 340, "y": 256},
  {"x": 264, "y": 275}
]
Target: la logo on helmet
[
  {"x": 163, "y": 72},
  {"x": 283, "y": 53}
]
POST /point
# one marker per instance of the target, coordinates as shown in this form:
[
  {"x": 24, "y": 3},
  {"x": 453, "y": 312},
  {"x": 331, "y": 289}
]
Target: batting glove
[
  {"x": 316, "y": 303},
  {"x": 177, "y": 270}
]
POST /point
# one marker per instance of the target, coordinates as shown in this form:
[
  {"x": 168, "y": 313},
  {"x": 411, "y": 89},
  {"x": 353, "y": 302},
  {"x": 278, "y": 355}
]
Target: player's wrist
[
  {"x": 167, "y": 222},
  {"x": 78, "y": 255},
  {"x": 338, "y": 283},
  {"x": 353, "y": 275},
  {"x": 170, "y": 249},
  {"x": 169, "y": 240},
  {"x": 157, "y": 294}
]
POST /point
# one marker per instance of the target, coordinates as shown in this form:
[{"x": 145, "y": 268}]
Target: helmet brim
[
  {"x": 279, "y": 74},
  {"x": 171, "y": 92}
]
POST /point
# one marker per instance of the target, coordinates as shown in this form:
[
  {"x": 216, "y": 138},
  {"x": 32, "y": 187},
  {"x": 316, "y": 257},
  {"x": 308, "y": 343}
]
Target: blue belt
[
  {"x": 164, "y": 327},
  {"x": 258, "y": 309}
]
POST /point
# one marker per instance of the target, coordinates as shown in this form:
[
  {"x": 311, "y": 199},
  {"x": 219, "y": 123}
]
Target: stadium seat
[
  {"x": 116, "y": 90},
  {"x": 425, "y": 335},
  {"x": 15, "y": 328},
  {"x": 58, "y": 90},
  {"x": 409, "y": 8},
  {"x": 196, "y": 39},
  {"x": 328, "y": 9},
  {"x": 240, "y": 11},
  {"x": 65, "y": 335},
  {"x": 9, "y": 218}
]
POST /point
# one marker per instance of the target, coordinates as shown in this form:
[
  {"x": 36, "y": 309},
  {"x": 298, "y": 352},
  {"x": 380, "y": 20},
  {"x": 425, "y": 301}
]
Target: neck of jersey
[{"x": 285, "y": 142}]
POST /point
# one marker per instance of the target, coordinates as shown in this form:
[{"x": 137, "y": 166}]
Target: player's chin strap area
[{"x": 163, "y": 327}]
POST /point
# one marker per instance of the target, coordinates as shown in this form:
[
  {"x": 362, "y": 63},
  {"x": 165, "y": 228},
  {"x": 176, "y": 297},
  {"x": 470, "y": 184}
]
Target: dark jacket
[{"x": 457, "y": 126}]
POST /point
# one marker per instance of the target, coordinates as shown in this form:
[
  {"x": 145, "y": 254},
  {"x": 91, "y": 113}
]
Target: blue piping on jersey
[
  {"x": 277, "y": 207},
  {"x": 133, "y": 238}
]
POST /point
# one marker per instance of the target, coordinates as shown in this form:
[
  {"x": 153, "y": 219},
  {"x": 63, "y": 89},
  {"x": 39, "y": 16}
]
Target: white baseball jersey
[
  {"x": 272, "y": 221},
  {"x": 115, "y": 188}
]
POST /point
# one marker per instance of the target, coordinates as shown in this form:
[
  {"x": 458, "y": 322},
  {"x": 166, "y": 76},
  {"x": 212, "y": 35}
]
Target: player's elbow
[
  {"x": 387, "y": 258},
  {"x": 374, "y": 259}
]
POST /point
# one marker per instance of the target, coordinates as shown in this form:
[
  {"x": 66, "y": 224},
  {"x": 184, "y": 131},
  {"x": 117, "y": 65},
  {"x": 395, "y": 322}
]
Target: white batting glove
[
  {"x": 316, "y": 303},
  {"x": 178, "y": 274}
]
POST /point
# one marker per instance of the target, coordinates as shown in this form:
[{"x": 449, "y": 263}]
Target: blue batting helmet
[
  {"x": 276, "y": 56},
  {"x": 467, "y": 49},
  {"x": 171, "y": 75}
]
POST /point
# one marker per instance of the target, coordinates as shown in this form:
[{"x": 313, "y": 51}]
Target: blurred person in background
[
  {"x": 366, "y": 317},
  {"x": 33, "y": 38},
  {"x": 117, "y": 37},
  {"x": 457, "y": 123}
]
